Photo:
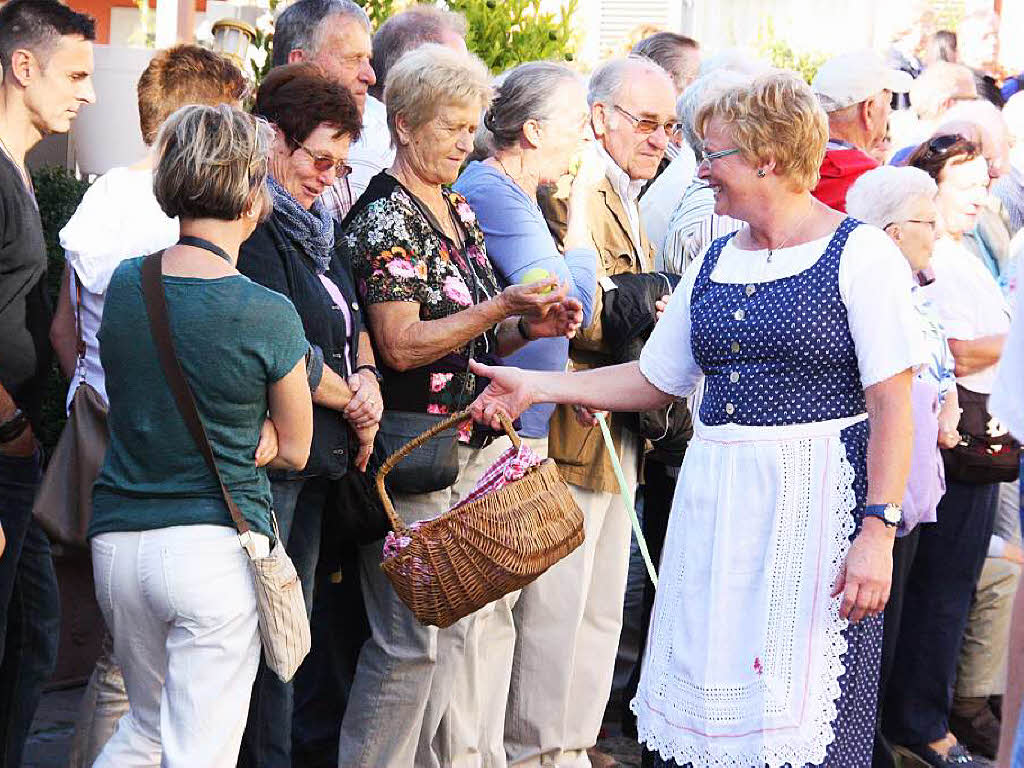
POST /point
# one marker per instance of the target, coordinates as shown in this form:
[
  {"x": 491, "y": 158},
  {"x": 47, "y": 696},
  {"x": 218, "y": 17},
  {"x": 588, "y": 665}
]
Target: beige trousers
[
  {"x": 568, "y": 623},
  {"x": 404, "y": 710},
  {"x": 981, "y": 669}
]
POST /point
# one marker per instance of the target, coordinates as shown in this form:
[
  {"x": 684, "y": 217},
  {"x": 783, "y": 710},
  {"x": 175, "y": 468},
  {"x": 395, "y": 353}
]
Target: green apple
[{"x": 536, "y": 275}]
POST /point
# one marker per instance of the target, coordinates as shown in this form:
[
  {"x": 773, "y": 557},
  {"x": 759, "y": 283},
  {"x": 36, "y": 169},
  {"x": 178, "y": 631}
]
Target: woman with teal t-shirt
[{"x": 172, "y": 579}]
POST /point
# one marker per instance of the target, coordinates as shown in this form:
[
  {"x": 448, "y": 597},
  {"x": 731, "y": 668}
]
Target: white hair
[
  {"x": 736, "y": 59},
  {"x": 700, "y": 90},
  {"x": 607, "y": 79},
  {"x": 885, "y": 195},
  {"x": 1013, "y": 114},
  {"x": 980, "y": 112}
]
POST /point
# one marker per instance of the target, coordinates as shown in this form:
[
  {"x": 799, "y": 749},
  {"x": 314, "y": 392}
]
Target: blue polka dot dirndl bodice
[{"x": 781, "y": 353}]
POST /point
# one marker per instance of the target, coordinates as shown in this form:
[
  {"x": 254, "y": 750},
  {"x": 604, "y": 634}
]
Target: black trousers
[
  {"x": 937, "y": 601},
  {"x": 903, "y": 552},
  {"x": 659, "y": 488}
]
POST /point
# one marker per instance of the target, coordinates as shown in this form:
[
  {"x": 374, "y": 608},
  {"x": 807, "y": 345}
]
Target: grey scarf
[{"x": 313, "y": 230}]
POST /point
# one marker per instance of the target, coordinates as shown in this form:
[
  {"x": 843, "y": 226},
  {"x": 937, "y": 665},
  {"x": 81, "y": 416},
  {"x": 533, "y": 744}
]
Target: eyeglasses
[
  {"x": 930, "y": 223},
  {"x": 642, "y": 125},
  {"x": 703, "y": 156},
  {"x": 324, "y": 163}
]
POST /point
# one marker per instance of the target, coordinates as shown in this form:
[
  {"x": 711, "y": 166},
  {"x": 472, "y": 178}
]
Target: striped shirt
[{"x": 692, "y": 227}]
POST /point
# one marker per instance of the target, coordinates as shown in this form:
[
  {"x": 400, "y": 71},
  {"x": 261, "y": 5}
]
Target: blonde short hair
[
  {"x": 775, "y": 117},
  {"x": 212, "y": 163},
  {"x": 428, "y": 79}
]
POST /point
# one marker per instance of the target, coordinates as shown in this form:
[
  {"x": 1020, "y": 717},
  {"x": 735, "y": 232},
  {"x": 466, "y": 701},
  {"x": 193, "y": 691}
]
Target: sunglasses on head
[{"x": 945, "y": 142}]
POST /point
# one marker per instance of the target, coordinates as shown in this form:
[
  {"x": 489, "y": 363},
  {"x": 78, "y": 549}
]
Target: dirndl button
[
  {"x": 730, "y": 408},
  {"x": 734, "y": 377},
  {"x": 749, "y": 290},
  {"x": 735, "y": 347},
  {"x": 739, "y": 314}
]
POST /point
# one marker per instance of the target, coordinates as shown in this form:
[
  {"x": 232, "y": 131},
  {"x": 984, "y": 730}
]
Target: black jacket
[
  {"x": 269, "y": 257},
  {"x": 628, "y": 316}
]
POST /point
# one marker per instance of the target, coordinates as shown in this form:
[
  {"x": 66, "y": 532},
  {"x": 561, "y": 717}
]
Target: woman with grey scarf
[{"x": 296, "y": 252}]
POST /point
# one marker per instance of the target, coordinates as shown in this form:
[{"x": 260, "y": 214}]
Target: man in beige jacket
[{"x": 632, "y": 103}]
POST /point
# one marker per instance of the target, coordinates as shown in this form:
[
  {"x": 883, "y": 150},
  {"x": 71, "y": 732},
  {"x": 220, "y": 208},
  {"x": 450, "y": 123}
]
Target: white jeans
[
  {"x": 181, "y": 606},
  {"x": 568, "y": 623}
]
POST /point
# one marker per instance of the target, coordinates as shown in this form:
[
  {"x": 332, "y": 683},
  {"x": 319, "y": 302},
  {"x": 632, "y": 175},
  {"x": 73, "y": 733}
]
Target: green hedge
[{"x": 58, "y": 193}]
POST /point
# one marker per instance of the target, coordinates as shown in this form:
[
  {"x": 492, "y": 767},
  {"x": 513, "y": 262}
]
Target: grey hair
[
  {"x": 736, "y": 59},
  {"x": 211, "y": 162},
  {"x": 428, "y": 79},
  {"x": 1013, "y": 114},
  {"x": 705, "y": 88},
  {"x": 669, "y": 50},
  {"x": 884, "y": 195},
  {"x": 527, "y": 92},
  {"x": 407, "y": 30},
  {"x": 608, "y": 78},
  {"x": 300, "y": 25}
]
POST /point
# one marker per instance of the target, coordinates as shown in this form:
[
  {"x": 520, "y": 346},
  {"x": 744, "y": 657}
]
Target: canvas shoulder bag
[{"x": 284, "y": 625}]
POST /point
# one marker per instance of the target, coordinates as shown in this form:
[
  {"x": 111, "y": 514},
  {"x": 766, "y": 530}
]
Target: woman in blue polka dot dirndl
[{"x": 797, "y": 338}]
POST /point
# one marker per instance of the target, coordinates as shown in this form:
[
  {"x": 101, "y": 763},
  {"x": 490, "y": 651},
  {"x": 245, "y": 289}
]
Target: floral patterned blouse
[
  {"x": 400, "y": 253},
  {"x": 939, "y": 370}
]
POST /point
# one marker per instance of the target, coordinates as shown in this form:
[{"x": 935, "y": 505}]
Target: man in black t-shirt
[{"x": 47, "y": 64}]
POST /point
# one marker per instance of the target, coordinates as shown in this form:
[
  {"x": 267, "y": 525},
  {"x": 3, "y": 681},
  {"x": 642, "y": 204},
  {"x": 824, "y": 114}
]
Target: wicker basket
[{"x": 472, "y": 555}]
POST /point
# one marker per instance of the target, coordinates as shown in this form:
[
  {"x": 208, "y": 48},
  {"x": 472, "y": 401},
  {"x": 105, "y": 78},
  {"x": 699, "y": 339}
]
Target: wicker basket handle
[{"x": 456, "y": 418}]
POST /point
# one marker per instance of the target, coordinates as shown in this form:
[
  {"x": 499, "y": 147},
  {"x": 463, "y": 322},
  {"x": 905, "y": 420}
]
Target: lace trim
[{"x": 813, "y": 737}]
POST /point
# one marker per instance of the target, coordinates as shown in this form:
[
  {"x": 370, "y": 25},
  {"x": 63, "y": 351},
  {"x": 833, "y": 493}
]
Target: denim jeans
[
  {"x": 299, "y": 505},
  {"x": 29, "y": 606}
]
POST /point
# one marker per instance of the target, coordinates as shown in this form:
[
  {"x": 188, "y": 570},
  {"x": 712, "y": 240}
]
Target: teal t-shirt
[{"x": 234, "y": 338}]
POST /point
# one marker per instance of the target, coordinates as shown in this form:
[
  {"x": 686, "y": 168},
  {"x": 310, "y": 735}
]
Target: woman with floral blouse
[{"x": 433, "y": 302}]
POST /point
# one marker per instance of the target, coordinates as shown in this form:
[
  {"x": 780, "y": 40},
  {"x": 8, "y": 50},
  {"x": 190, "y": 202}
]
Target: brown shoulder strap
[{"x": 160, "y": 327}]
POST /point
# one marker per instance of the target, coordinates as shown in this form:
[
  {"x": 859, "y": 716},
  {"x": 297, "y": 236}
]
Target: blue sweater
[{"x": 518, "y": 240}]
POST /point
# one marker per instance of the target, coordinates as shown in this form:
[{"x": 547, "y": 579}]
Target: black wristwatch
[
  {"x": 890, "y": 514},
  {"x": 372, "y": 369},
  {"x": 12, "y": 428}
]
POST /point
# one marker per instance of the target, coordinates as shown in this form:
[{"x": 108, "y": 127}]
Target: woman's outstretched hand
[{"x": 509, "y": 392}]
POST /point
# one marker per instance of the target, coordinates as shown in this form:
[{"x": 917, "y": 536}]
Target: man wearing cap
[{"x": 855, "y": 89}]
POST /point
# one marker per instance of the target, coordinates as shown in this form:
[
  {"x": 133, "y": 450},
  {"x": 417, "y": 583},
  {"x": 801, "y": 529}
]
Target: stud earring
[{"x": 760, "y": 173}]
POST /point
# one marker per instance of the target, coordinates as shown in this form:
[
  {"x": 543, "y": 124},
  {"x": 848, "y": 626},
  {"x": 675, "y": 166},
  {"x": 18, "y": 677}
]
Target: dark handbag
[
  {"x": 430, "y": 467},
  {"x": 986, "y": 452},
  {"x": 358, "y": 514},
  {"x": 63, "y": 506}
]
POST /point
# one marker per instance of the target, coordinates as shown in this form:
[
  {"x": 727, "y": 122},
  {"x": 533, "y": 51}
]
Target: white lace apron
[{"x": 745, "y": 649}]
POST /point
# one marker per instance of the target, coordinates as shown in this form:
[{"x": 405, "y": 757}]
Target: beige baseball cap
[{"x": 851, "y": 78}]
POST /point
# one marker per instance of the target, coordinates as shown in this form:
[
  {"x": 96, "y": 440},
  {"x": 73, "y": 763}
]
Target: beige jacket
[{"x": 579, "y": 451}]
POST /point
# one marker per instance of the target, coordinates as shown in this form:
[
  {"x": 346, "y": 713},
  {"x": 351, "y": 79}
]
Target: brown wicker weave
[{"x": 472, "y": 555}]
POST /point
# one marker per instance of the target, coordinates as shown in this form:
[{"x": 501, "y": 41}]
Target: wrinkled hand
[
  {"x": 660, "y": 305},
  {"x": 866, "y": 576},
  {"x": 266, "y": 448},
  {"x": 562, "y": 320},
  {"x": 948, "y": 438},
  {"x": 949, "y": 420},
  {"x": 366, "y": 437},
  {"x": 366, "y": 405},
  {"x": 586, "y": 417},
  {"x": 509, "y": 392},
  {"x": 530, "y": 301},
  {"x": 590, "y": 170}
]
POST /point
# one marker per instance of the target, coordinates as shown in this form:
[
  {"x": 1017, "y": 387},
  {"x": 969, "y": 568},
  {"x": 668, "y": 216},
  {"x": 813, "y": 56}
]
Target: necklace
[
  {"x": 793, "y": 231},
  {"x": 23, "y": 172}
]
